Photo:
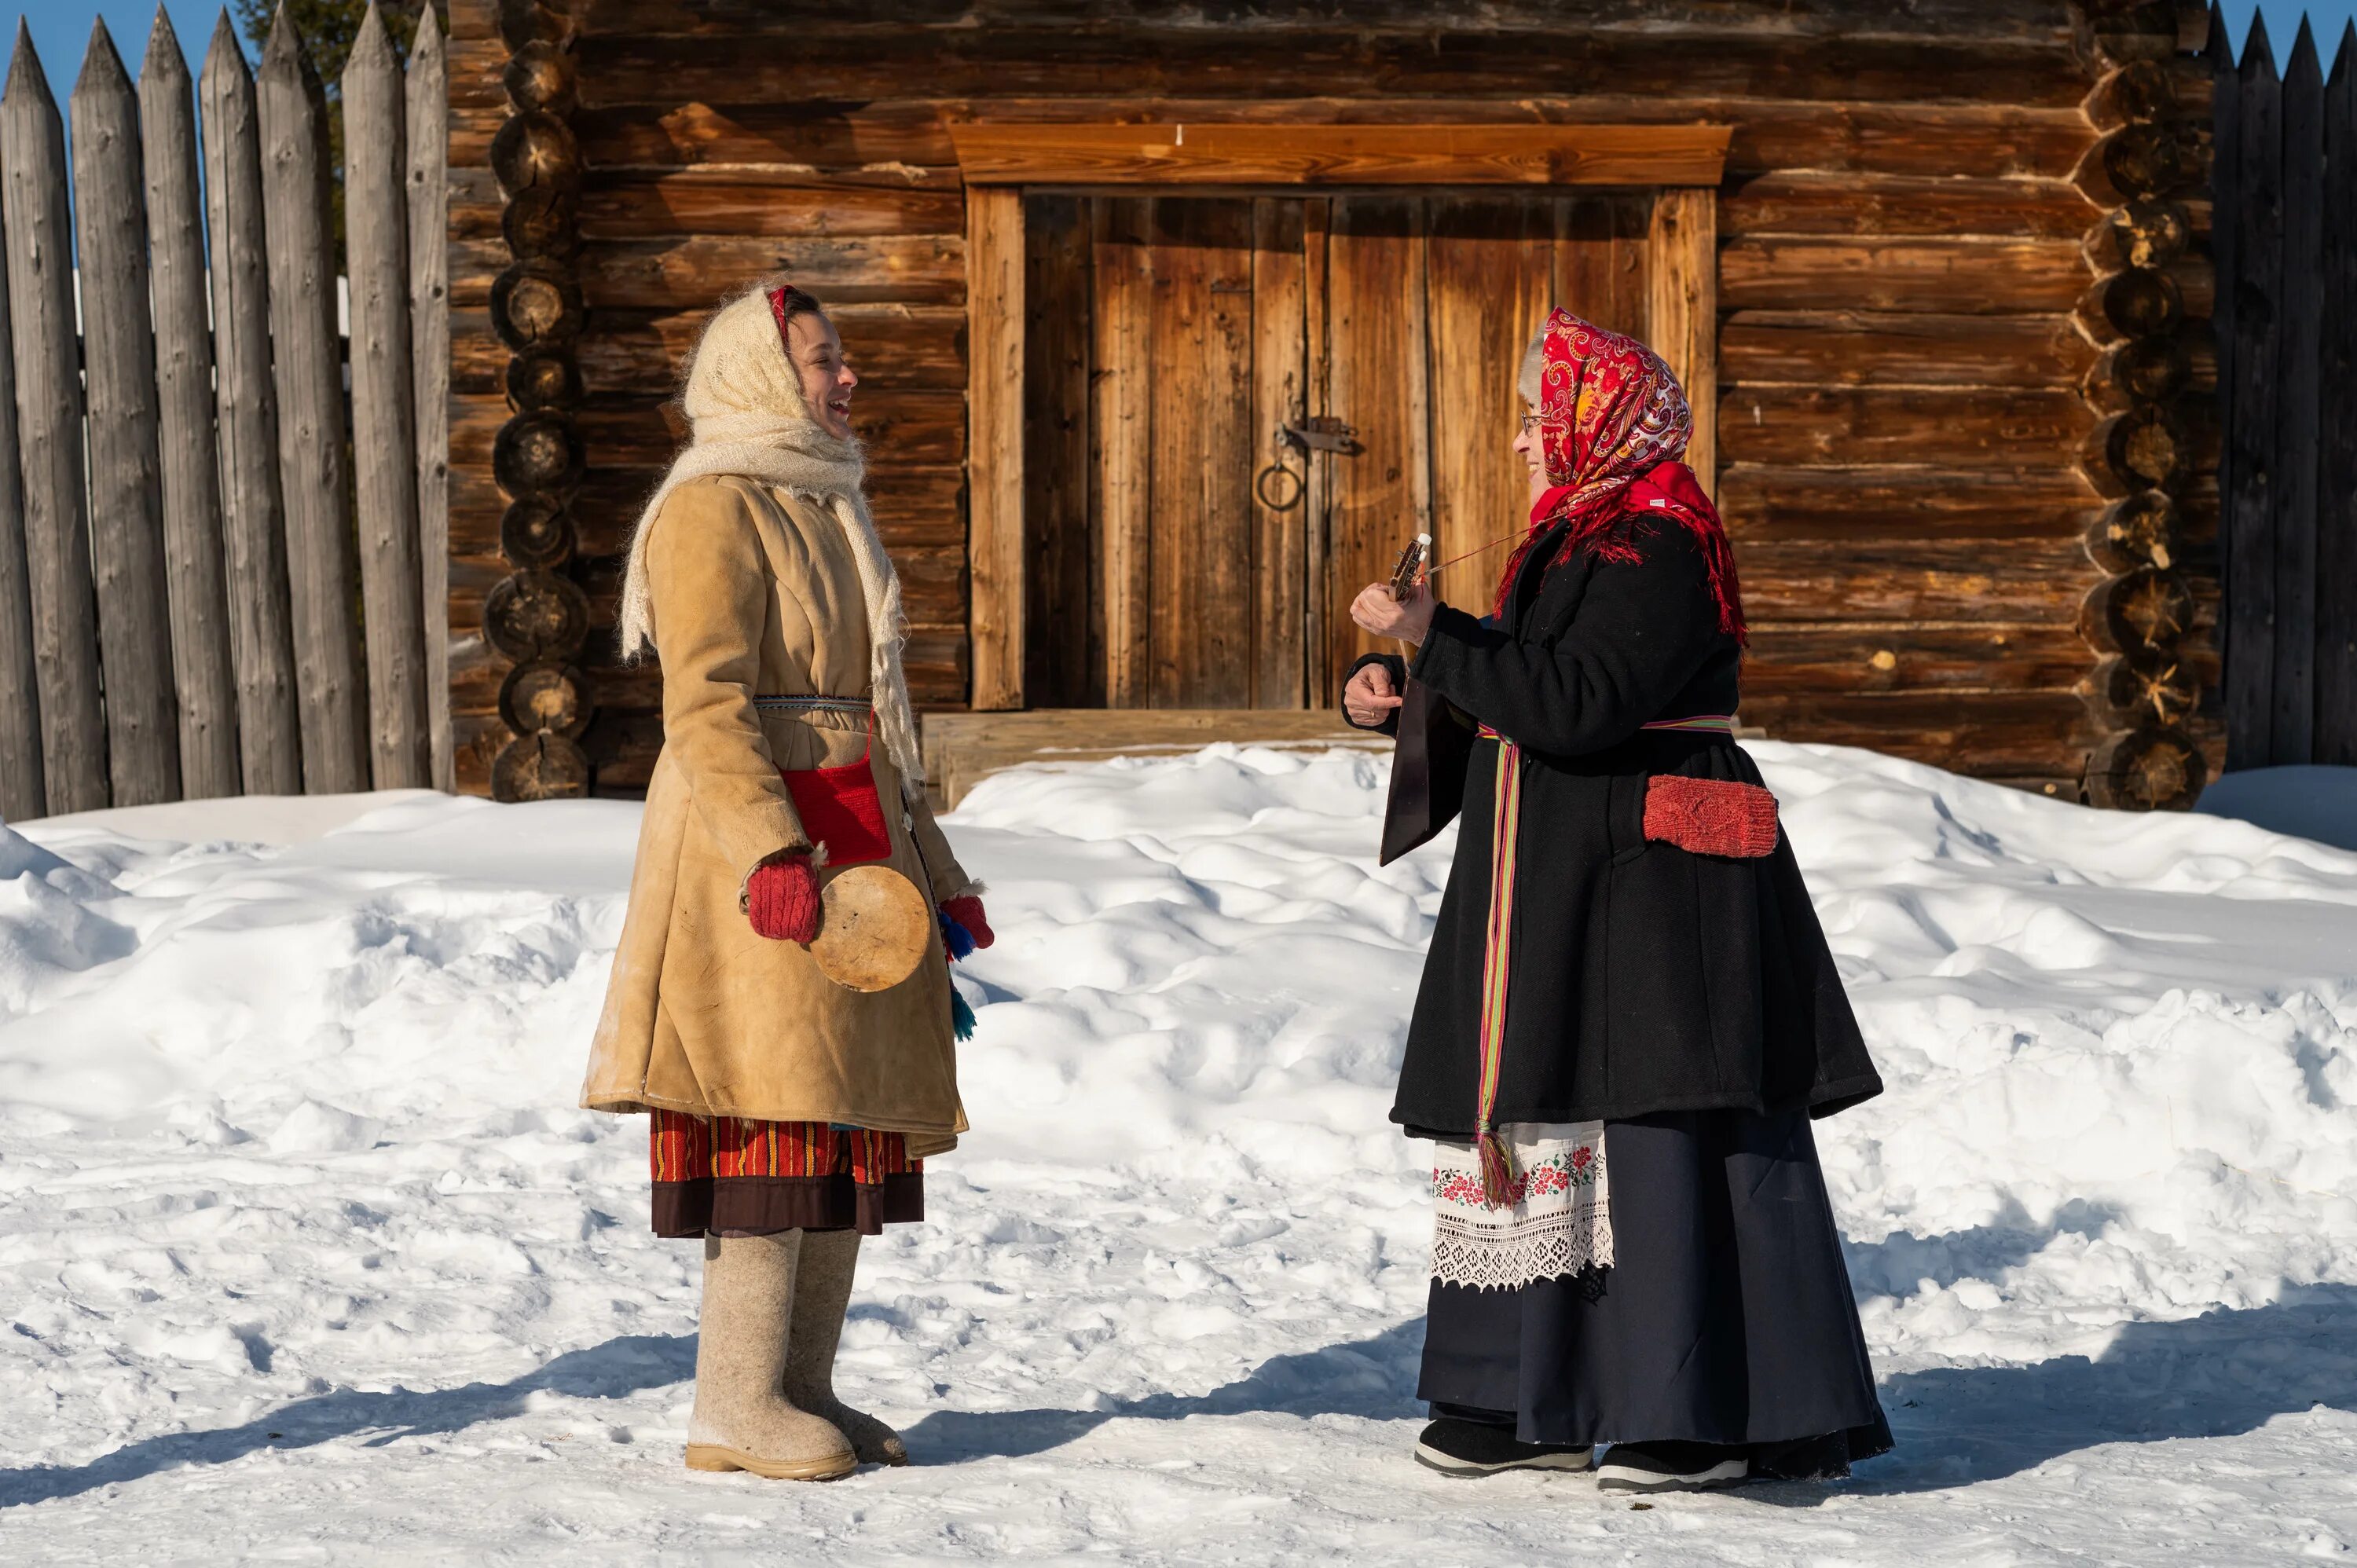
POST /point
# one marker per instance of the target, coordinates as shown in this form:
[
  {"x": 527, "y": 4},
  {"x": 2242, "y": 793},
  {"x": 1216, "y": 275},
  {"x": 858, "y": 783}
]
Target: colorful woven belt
[
  {"x": 1497, "y": 969},
  {"x": 1702, "y": 724}
]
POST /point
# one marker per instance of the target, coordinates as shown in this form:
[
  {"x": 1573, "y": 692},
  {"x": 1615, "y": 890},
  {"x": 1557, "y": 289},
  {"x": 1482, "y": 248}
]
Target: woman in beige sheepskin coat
[{"x": 789, "y": 1113}]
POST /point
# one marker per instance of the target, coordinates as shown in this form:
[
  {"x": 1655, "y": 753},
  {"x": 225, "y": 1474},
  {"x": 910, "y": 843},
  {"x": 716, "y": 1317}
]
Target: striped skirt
[{"x": 734, "y": 1176}]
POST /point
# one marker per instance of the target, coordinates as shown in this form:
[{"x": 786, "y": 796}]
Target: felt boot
[
  {"x": 743, "y": 1420},
  {"x": 821, "y": 1295}
]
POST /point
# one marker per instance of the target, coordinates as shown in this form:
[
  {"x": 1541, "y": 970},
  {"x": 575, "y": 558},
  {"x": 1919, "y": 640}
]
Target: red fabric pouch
[
  {"x": 1711, "y": 816},
  {"x": 840, "y": 809}
]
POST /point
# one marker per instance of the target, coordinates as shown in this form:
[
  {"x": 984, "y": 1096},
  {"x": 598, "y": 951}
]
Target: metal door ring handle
[{"x": 1260, "y": 487}]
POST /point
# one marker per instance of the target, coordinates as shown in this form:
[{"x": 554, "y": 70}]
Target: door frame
[{"x": 1683, "y": 164}]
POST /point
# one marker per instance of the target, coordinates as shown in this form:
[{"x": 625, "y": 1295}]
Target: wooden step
[{"x": 963, "y": 748}]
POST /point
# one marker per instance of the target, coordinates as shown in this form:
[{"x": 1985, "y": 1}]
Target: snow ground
[{"x": 304, "y": 1255}]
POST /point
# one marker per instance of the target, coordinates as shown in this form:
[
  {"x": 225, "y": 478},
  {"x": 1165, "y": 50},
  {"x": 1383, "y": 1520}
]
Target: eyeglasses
[{"x": 1530, "y": 421}]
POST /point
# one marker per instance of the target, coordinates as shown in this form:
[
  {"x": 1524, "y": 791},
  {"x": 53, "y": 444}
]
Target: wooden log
[
  {"x": 2000, "y": 734},
  {"x": 535, "y": 534},
  {"x": 533, "y": 615},
  {"x": 2142, "y": 302},
  {"x": 1689, "y": 271},
  {"x": 542, "y": 379},
  {"x": 1941, "y": 427},
  {"x": 2249, "y": 635},
  {"x": 2146, "y": 770},
  {"x": 1935, "y": 507},
  {"x": 2145, "y": 612},
  {"x": 23, "y": 792},
  {"x": 895, "y": 348},
  {"x": 2143, "y": 449},
  {"x": 2292, "y": 695},
  {"x": 2010, "y": 21},
  {"x": 2138, "y": 162},
  {"x": 1961, "y": 277},
  {"x": 2336, "y": 512},
  {"x": 1812, "y": 202},
  {"x": 245, "y": 416},
  {"x": 994, "y": 250},
  {"x": 1790, "y": 659},
  {"x": 540, "y": 76},
  {"x": 548, "y": 697},
  {"x": 2151, "y": 689},
  {"x": 2140, "y": 370},
  {"x": 542, "y": 223},
  {"x": 2139, "y": 530},
  {"x": 126, "y": 497},
  {"x": 685, "y": 273},
  {"x": 537, "y": 454},
  {"x": 2146, "y": 232},
  {"x": 308, "y": 372},
  {"x": 543, "y": 766},
  {"x": 426, "y": 115},
  {"x": 199, "y": 597},
  {"x": 1888, "y": 580},
  {"x": 537, "y": 304},
  {"x": 1222, "y": 153},
  {"x": 1834, "y": 138},
  {"x": 1149, "y": 59},
  {"x": 788, "y": 202},
  {"x": 1846, "y": 347},
  {"x": 2142, "y": 92}
]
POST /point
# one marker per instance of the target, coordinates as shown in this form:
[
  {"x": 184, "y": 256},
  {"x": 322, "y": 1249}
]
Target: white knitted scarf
[{"x": 748, "y": 418}]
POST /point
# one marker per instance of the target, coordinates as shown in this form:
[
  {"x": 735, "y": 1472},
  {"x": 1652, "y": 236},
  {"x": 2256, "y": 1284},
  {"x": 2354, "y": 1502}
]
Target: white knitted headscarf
[{"x": 746, "y": 412}]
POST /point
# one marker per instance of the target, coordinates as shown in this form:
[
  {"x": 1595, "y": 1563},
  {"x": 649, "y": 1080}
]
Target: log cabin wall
[{"x": 1939, "y": 421}]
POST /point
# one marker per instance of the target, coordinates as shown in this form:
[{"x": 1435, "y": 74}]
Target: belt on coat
[{"x": 779, "y": 705}]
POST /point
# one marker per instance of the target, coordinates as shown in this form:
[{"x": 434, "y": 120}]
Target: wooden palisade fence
[
  {"x": 183, "y": 537},
  {"x": 2286, "y": 248}
]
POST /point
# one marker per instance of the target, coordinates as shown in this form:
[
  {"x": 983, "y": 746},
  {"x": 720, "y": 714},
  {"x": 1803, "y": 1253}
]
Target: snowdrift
[{"x": 301, "y": 1240}]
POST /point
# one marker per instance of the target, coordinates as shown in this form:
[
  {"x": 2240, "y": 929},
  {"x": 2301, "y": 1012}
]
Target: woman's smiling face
[
  {"x": 1526, "y": 445},
  {"x": 827, "y": 378}
]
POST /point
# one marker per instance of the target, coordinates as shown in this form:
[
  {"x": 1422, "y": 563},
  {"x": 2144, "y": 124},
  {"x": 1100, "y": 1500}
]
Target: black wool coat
[{"x": 1643, "y": 978}]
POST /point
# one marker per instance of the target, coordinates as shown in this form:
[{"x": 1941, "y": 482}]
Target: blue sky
[
  {"x": 61, "y": 29},
  {"x": 61, "y": 32}
]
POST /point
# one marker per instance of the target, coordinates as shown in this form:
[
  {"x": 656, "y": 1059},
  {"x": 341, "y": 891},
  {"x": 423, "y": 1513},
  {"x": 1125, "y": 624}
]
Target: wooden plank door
[
  {"x": 1167, "y": 339},
  {"x": 1429, "y": 301},
  {"x": 1165, "y": 344}
]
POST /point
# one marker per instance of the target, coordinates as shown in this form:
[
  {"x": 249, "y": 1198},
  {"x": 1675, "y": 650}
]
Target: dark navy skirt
[{"x": 1726, "y": 1317}]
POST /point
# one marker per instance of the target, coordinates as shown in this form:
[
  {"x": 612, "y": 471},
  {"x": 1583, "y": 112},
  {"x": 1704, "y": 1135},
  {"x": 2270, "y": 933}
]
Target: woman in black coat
[{"x": 1628, "y": 1013}]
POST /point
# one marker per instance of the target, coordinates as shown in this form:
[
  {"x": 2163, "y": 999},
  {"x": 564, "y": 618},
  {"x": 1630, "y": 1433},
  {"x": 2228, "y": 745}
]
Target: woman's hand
[
  {"x": 1369, "y": 698},
  {"x": 782, "y": 898},
  {"x": 1376, "y": 611},
  {"x": 966, "y": 910}
]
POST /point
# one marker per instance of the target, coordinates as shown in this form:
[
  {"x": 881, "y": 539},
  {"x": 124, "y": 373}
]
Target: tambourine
[{"x": 874, "y": 928}]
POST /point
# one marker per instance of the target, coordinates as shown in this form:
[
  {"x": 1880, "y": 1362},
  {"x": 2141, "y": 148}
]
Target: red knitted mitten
[
  {"x": 782, "y": 899},
  {"x": 1711, "y": 816},
  {"x": 966, "y": 910}
]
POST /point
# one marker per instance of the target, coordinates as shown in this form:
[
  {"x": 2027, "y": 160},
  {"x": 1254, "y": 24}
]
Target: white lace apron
[{"x": 1557, "y": 1219}]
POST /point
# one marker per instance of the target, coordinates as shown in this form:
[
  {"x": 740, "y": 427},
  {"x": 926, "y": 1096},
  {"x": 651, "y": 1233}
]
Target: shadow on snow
[{"x": 2224, "y": 1373}]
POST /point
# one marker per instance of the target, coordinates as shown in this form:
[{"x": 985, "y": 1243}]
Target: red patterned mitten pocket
[{"x": 1711, "y": 816}]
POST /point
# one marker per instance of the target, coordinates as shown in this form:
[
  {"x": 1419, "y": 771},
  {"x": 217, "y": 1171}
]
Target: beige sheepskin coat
[{"x": 754, "y": 572}]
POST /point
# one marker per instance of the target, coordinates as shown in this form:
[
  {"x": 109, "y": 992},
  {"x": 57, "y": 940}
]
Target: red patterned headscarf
[{"x": 1613, "y": 426}]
